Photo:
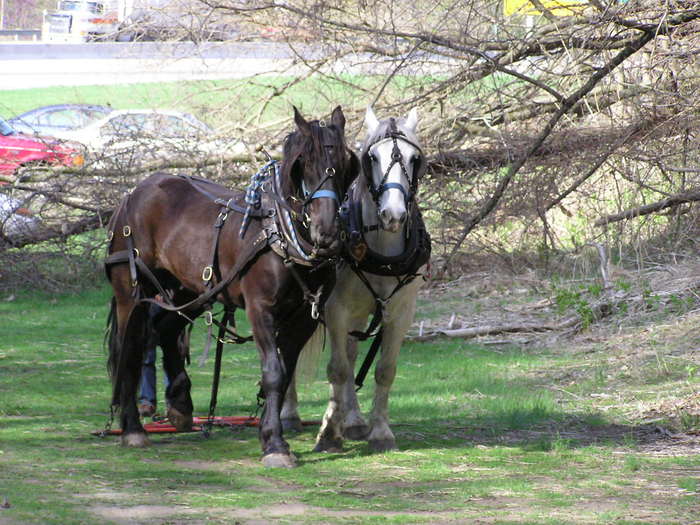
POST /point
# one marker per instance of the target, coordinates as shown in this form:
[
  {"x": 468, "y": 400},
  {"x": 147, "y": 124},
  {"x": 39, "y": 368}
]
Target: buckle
[{"x": 207, "y": 273}]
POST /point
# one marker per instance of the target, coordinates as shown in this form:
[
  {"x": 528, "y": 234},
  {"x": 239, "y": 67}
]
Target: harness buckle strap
[
  {"x": 316, "y": 302},
  {"x": 207, "y": 274},
  {"x": 221, "y": 219}
]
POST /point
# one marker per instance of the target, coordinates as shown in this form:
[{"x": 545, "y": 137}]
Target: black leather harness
[
  {"x": 357, "y": 252},
  {"x": 279, "y": 232}
]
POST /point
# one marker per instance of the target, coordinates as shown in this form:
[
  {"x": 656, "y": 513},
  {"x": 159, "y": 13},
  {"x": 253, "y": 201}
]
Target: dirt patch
[
  {"x": 643, "y": 437},
  {"x": 139, "y": 513},
  {"x": 218, "y": 466},
  {"x": 261, "y": 515}
]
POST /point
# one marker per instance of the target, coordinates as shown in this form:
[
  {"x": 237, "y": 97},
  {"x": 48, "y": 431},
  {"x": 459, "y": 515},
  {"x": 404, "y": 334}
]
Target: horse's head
[
  {"x": 318, "y": 169},
  {"x": 392, "y": 162}
]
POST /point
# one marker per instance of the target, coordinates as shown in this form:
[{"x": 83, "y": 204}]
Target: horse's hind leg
[
  {"x": 354, "y": 425},
  {"x": 309, "y": 352},
  {"x": 290, "y": 409},
  {"x": 126, "y": 358},
  {"x": 174, "y": 340}
]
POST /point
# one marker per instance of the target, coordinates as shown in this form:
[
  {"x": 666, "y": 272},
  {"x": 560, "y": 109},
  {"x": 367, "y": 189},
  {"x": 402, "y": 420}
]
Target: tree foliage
[
  {"x": 545, "y": 133},
  {"x": 535, "y": 122}
]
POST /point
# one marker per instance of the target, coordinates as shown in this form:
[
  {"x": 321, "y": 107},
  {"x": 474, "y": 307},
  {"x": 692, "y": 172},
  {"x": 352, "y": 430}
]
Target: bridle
[
  {"x": 329, "y": 173},
  {"x": 393, "y": 134},
  {"x": 319, "y": 192}
]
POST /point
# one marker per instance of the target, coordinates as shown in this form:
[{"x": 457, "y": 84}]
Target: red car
[{"x": 18, "y": 150}]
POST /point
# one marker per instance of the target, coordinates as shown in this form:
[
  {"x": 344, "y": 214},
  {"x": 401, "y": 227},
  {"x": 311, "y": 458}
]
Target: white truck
[
  {"x": 125, "y": 20},
  {"x": 83, "y": 20}
]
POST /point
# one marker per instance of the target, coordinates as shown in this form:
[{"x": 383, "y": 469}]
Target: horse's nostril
[
  {"x": 402, "y": 218},
  {"x": 385, "y": 215}
]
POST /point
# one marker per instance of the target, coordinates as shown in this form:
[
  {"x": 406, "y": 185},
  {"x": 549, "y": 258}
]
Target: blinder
[{"x": 329, "y": 172}]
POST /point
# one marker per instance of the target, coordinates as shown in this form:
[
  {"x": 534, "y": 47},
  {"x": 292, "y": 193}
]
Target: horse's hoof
[
  {"x": 333, "y": 446},
  {"x": 292, "y": 424},
  {"x": 357, "y": 432},
  {"x": 278, "y": 460},
  {"x": 135, "y": 439},
  {"x": 382, "y": 445},
  {"x": 182, "y": 422}
]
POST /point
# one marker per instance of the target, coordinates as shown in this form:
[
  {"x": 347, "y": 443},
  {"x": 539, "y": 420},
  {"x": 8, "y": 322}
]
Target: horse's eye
[
  {"x": 372, "y": 157},
  {"x": 415, "y": 158}
]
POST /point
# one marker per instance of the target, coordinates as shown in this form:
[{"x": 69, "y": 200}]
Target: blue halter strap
[{"x": 329, "y": 194}]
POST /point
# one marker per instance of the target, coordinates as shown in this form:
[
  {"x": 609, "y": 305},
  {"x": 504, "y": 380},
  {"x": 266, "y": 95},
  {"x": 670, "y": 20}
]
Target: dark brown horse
[{"x": 186, "y": 242}]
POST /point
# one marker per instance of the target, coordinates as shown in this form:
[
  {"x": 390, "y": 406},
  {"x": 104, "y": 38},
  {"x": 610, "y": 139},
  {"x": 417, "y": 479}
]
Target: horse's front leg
[
  {"x": 274, "y": 382},
  {"x": 381, "y": 438},
  {"x": 330, "y": 435}
]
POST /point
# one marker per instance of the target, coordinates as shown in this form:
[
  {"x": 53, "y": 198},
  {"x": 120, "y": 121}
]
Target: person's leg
[
  {"x": 147, "y": 397},
  {"x": 166, "y": 376}
]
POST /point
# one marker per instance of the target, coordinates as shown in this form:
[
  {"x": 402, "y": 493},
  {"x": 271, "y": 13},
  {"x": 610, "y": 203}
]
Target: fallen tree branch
[
  {"x": 88, "y": 223},
  {"x": 146, "y": 167},
  {"x": 478, "y": 331},
  {"x": 647, "y": 209},
  {"x": 606, "y": 306}
]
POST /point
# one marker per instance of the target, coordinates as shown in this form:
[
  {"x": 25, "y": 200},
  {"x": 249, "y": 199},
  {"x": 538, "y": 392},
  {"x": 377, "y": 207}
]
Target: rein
[{"x": 263, "y": 201}]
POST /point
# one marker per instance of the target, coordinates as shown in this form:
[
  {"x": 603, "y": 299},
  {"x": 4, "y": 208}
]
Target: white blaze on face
[{"x": 392, "y": 205}]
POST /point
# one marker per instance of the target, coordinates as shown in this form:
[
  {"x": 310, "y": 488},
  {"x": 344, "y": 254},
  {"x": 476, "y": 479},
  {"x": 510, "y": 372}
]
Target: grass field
[
  {"x": 487, "y": 435},
  {"x": 219, "y": 103}
]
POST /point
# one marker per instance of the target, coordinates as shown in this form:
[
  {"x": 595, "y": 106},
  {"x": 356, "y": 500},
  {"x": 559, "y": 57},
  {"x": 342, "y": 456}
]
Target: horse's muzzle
[{"x": 328, "y": 250}]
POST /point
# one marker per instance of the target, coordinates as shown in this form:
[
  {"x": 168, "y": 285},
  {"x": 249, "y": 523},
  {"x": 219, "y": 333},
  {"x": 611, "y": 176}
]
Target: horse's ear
[
  {"x": 412, "y": 120},
  {"x": 371, "y": 121},
  {"x": 354, "y": 171},
  {"x": 301, "y": 122},
  {"x": 338, "y": 119}
]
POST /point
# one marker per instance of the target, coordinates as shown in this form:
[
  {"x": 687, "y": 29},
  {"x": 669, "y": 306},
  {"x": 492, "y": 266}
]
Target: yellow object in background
[{"x": 556, "y": 7}]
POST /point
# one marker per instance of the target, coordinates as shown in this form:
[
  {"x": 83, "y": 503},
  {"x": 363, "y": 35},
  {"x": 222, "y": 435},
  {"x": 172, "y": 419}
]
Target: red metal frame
[{"x": 163, "y": 426}]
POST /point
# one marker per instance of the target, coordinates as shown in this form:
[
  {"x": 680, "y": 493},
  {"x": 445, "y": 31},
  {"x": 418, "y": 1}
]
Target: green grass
[
  {"x": 481, "y": 437},
  {"x": 219, "y": 102}
]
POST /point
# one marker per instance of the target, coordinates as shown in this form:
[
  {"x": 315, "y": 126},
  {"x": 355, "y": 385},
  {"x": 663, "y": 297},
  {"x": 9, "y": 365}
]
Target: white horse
[{"x": 386, "y": 251}]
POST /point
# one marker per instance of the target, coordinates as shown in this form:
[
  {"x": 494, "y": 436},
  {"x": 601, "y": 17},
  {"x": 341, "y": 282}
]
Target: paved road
[
  {"x": 37, "y": 64},
  {"x": 170, "y": 50},
  {"x": 31, "y": 65}
]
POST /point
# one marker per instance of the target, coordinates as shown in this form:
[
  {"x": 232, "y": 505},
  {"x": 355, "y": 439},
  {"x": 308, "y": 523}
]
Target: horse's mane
[
  {"x": 297, "y": 144},
  {"x": 383, "y": 130}
]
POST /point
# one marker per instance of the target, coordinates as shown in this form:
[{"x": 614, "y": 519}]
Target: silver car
[{"x": 56, "y": 119}]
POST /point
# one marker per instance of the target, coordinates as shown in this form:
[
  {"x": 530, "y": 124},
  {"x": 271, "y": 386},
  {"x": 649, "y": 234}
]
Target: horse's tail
[
  {"x": 307, "y": 365},
  {"x": 111, "y": 340}
]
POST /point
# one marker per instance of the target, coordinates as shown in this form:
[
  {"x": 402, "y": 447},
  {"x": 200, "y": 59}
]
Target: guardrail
[{"x": 15, "y": 35}]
